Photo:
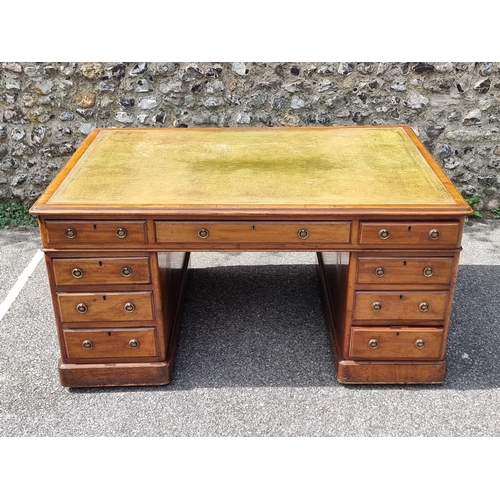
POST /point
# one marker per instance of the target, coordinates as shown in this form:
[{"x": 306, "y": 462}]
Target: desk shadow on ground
[
  {"x": 257, "y": 326},
  {"x": 253, "y": 326}
]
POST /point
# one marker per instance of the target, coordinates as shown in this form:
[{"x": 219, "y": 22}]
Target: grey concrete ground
[{"x": 253, "y": 358}]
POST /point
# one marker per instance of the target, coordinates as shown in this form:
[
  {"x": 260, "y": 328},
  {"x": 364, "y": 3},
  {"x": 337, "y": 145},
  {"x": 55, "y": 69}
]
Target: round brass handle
[
  {"x": 70, "y": 232},
  {"x": 424, "y": 306},
  {"x": 121, "y": 232},
  {"x": 434, "y": 234},
  {"x": 376, "y": 306},
  {"x": 373, "y": 343},
  {"x": 82, "y": 308},
  {"x": 203, "y": 233},
  {"x": 384, "y": 234},
  {"x": 126, "y": 271},
  {"x": 419, "y": 343},
  {"x": 303, "y": 234},
  {"x": 87, "y": 344},
  {"x": 77, "y": 272},
  {"x": 428, "y": 272},
  {"x": 379, "y": 271},
  {"x": 129, "y": 307},
  {"x": 134, "y": 343}
]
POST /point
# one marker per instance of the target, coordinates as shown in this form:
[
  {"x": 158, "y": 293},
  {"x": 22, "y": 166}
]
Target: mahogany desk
[{"x": 119, "y": 221}]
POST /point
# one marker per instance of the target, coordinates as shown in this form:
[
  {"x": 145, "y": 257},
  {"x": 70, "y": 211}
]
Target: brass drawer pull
[
  {"x": 428, "y": 272},
  {"x": 376, "y": 306},
  {"x": 82, "y": 307},
  {"x": 424, "y": 306},
  {"x": 373, "y": 343},
  {"x": 203, "y": 233},
  {"x": 77, "y": 273},
  {"x": 434, "y": 234},
  {"x": 384, "y": 234},
  {"x": 70, "y": 232},
  {"x": 127, "y": 271},
  {"x": 129, "y": 307},
  {"x": 87, "y": 344},
  {"x": 121, "y": 232},
  {"x": 134, "y": 343},
  {"x": 379, "y": 271},
  {"x": 420, "y": 343},
  {"x": 303, "y": 234}
]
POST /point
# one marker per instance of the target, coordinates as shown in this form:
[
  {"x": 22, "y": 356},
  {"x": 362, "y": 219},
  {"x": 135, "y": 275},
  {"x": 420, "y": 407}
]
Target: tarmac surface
[{"x": 253, "y": 357}]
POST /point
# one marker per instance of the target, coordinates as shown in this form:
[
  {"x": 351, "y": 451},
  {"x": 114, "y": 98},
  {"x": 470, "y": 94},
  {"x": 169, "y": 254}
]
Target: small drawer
[
  {"x": 110, "y": 343},
  {"x": 254, "y": 234},
  {"x": 400, "y": 307},
  {"x": 105, "y": 233},
  {"x": 404, "y": 270},
  {"x": 105, "y": 307},
  {"x": 106, "y": 271},
  {"x": 409, "y": 233},
  {"x": 396, "y": 343}
]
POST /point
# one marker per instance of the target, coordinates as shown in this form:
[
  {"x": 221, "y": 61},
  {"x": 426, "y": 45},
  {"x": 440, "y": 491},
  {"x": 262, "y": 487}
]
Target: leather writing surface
[{"x": 289, "y": 167}]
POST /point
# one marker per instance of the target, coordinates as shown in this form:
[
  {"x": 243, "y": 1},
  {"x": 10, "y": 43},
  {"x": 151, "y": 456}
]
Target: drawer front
[
  {"x": 106, "y": 233},
  {"x": 105, "y": 307},
  {"x": 409, "y": 233},
  {"x": 105, "y": 271},
  {"x": 396, "y": 344},
  {"x": 111, "y": 343},
  {"x": 232, "y": 234},
  {"x": 400, "y": 307},
  {"x": 404, "y": 270}
]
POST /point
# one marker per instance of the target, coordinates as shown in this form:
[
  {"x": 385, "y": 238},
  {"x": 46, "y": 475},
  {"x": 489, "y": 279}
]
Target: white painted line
[{"x": 19, "y": 285}]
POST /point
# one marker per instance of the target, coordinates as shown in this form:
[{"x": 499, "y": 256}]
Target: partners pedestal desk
[{"x": 119, "y": 221}]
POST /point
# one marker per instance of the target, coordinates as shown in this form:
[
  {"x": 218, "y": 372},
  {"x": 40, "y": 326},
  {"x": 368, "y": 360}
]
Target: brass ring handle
[
  {"x": 127, "y": 271},
  {"x": 134, "y": 343},
  {"x": 434, "y": 234},
  {"x": 77, "y": 273},
  {"x": 129, "y": 307},
  {"x": 70, "y": 232},
  {"x": 373, "y": 343},
  {"x": 428, "y": 272},
  {"x": 384, "y": 234},
  {"x": 379, "y": 271},
  {"x": 376, "y": 306},
  {"x": 87, "y": 344},
  {"x": 303, "y": 234},
  {"x": 423, "y": 306},
  {"x": 121, "y": 232},
  {"x": 203, "y": 233},
  {"x": 82, "y": 307},
  {"x": 419, "y": 343}
]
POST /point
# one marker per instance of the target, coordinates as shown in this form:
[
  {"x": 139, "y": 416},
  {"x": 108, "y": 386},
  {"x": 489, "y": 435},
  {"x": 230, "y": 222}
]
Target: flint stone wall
[{"x": 47, "y": 109}]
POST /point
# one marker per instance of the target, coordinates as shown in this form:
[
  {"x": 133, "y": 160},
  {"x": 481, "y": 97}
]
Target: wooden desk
[{"x": 119, "y": 221}]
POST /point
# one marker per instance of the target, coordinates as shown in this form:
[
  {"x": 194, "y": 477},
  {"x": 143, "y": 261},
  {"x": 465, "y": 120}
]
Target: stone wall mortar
[{"x": 47, "y": 108}]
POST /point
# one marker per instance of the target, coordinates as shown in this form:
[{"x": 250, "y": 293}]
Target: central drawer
[
  {"x": 400, "y": 307},
  {"x": 232, "y": 234},
  {"x": 105, "y": 307}
]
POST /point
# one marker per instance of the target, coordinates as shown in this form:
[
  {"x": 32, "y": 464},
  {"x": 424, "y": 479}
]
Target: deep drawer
[
  {"x": 105, "y": 307},
  {"x": 427, "y": 234},
  {"x": 232, "y": 234},
  {"x": 72, "y": 234},
  {"x": 106, "y": 271},
  {"x": 396, "y": 343},
  {"x": 400, "y": 307},
  {"x": 404, "y": 270},
  {"x": 110, "y": 343}
]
